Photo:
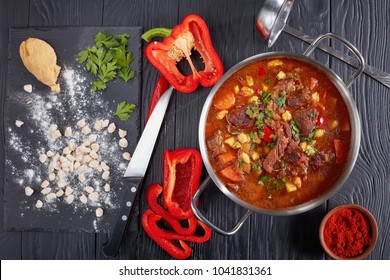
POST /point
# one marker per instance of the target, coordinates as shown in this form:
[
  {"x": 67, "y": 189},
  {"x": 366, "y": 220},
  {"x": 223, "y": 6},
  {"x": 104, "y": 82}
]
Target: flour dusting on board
[{"x": 77, "y": 157}]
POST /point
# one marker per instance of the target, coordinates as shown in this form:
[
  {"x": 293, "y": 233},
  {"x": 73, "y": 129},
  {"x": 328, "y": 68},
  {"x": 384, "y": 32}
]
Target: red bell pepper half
[
  {"x": 170, "y": 246},
  {"x": 182, "y": 171},
  {"x": 152, "y": 195},
  {"x": 191, "y": 33}
]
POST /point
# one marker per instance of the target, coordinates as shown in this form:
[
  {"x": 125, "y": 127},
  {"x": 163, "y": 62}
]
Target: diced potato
[
  {"x": 255, "y": 156},
  {"x": 303, "y": 146},
  {"x": 310, "y": 150},
  {"x": 222, "y": 114},
  {"x": 245, "y": 157},
  {"x": 230, "y": 141},
  {"x": 319, "y": 133},
  {"x": 265, "y": 88},
  {"x": 298, "y": 182},
  {"x": 243, "y": 138},
  {"x": 334, "y": 124},
  {"x": 236, "y": 145},
  {"x": 236, "y": 89},
  {"x": 286, "y": 116},
  {"x": 253, "y": 99},
  {"x": 315, "y": 97},
  {"x": 281, "y": 75},
  {"x": 275, "y": 62},
  {"x": 247, "y": 91},
  {"x": 290, "y": 187},
  {"x": 249, "y": 80}
]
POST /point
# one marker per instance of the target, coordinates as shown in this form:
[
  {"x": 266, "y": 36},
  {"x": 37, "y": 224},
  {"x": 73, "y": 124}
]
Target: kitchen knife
[{"x": 135, "y": 173}]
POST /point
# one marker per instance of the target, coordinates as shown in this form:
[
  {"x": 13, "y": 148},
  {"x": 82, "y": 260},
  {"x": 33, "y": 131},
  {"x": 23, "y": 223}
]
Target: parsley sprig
[
  {"x": 124, "y": 110},
  {"x": 107, "y": 59}
]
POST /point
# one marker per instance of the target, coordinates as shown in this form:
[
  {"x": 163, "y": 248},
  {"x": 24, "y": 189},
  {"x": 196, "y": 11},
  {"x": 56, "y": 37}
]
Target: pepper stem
[{"x": 156, "y": 32}]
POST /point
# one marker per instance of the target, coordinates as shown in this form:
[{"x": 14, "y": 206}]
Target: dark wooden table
[{"x": 365, "y": 23}]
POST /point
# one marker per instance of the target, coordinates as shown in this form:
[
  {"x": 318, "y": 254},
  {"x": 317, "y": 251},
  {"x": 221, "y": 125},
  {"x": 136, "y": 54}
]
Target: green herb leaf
[
  {"x": 83, "y": 56},
  {"x": 107, "y": 72},
  {"x": 253, "y": 136},
  {"x": 263, "y": 180},
  {"x": 281, "y": 100},
  {"x": 98, "y": 85},
  {"x": 126, "y": 74},
  {"x": 249, "y": 112},
  {"x": 267, "y": 81},
  {"x": 123, "y": 39},
  {"x": 266, "y": 97},
  {"x": 108, "y": 58},
  {"x": 295, "y": 129},
  {"x": 124, "y": 109},
  {"x": 235, "y": 132}
]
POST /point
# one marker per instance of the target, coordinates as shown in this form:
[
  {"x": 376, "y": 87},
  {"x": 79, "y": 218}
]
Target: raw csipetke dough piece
[{"x": 41, "y": 60}]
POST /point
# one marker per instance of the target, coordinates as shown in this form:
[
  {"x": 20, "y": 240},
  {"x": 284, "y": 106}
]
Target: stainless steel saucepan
[{"x": 354, "y": 144}]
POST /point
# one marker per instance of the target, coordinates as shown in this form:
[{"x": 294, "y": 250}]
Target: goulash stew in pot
[{"x": 278, "y": 133}]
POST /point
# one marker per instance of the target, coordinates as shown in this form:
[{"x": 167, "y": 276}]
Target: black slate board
[{"x": 22, "y": 143}]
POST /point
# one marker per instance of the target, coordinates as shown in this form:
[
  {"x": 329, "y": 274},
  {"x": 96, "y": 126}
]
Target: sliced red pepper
[
  {"x": 159, "y": 89},
  {"x": 261, "y": 72},
  {"x": 182, "y": 170},
  {"x": 171, "y": 235},
  {"x": 267, "y": 134},
  {"x": 191, "y": 33},
  {"x": 169, "y": 246},
  {"x": 152, "y": 195}
]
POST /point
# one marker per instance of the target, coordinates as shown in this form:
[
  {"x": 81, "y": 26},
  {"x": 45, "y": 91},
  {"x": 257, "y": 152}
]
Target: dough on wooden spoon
[{"x": 41, "y": 60}]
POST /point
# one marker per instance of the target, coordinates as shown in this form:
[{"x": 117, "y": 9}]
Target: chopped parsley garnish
[
  {"x": 253, "y": 135},
  {"x": 268, "y": 113},
  {"x": 311, "y": 115},
  {"x": 272, "y": 144},
  {"x": 295, "y": 129},
  {"x": 240, "y": 163},
  {"x": 267, "y": 81},
  {"x": 281, "y": 100},
  {"x": 266, "y": 97},
  {"x": 256, "y": 167},
  {"x": 249, "y": 112},
  {"x": 235, "y": 132},
  {"x": 263, "y": 180}
]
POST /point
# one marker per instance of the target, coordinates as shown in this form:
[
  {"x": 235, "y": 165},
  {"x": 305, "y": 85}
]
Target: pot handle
[
  {"x": 200, "y": 216},
  {"x": 351, "y": 47}
]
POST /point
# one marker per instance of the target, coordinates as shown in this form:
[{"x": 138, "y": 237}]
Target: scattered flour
[{"x": 65, "y": 109}]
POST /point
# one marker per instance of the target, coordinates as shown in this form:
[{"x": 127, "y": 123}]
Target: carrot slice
[
  {"x": 225, "y": 102},
  {"x": 232, "y": 174}
]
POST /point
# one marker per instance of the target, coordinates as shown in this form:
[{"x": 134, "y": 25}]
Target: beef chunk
[
  {"x": 239, "y": 118},
  {"x": 319, "y": 160},
  {"x": 215, "y": 144},
  {"x": 294, "y": 153},
  {"x": 283, "y": 134},
  {"x": 300, "y": 100},
  {"x": 306, "y": 119},
  {"x": 287, "y": 85}
]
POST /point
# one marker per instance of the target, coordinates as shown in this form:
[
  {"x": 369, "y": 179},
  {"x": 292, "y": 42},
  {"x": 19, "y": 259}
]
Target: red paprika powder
[{"x": 347, "y": 233}]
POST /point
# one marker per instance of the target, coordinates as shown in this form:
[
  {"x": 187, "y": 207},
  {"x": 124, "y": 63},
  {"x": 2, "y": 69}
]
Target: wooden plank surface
[
  {"x": 368, "y": 184},
  {"x": 364, "y": 23}
]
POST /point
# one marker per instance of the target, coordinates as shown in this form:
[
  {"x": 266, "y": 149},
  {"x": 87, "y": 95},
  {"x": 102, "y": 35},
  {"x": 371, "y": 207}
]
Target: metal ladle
[{"x": 271, "y": 21}]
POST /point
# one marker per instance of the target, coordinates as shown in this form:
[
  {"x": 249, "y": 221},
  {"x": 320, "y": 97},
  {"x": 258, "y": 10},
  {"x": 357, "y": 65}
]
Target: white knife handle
[{"x": 122, "y": 219}]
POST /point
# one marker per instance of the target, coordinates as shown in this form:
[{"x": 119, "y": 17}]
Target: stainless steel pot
[{"x": 353, "y": 150}]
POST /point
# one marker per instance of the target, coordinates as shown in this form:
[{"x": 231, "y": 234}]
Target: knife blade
[
  {"x": 375, "y": 73},
  {"x": 135, "y": 173}
]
